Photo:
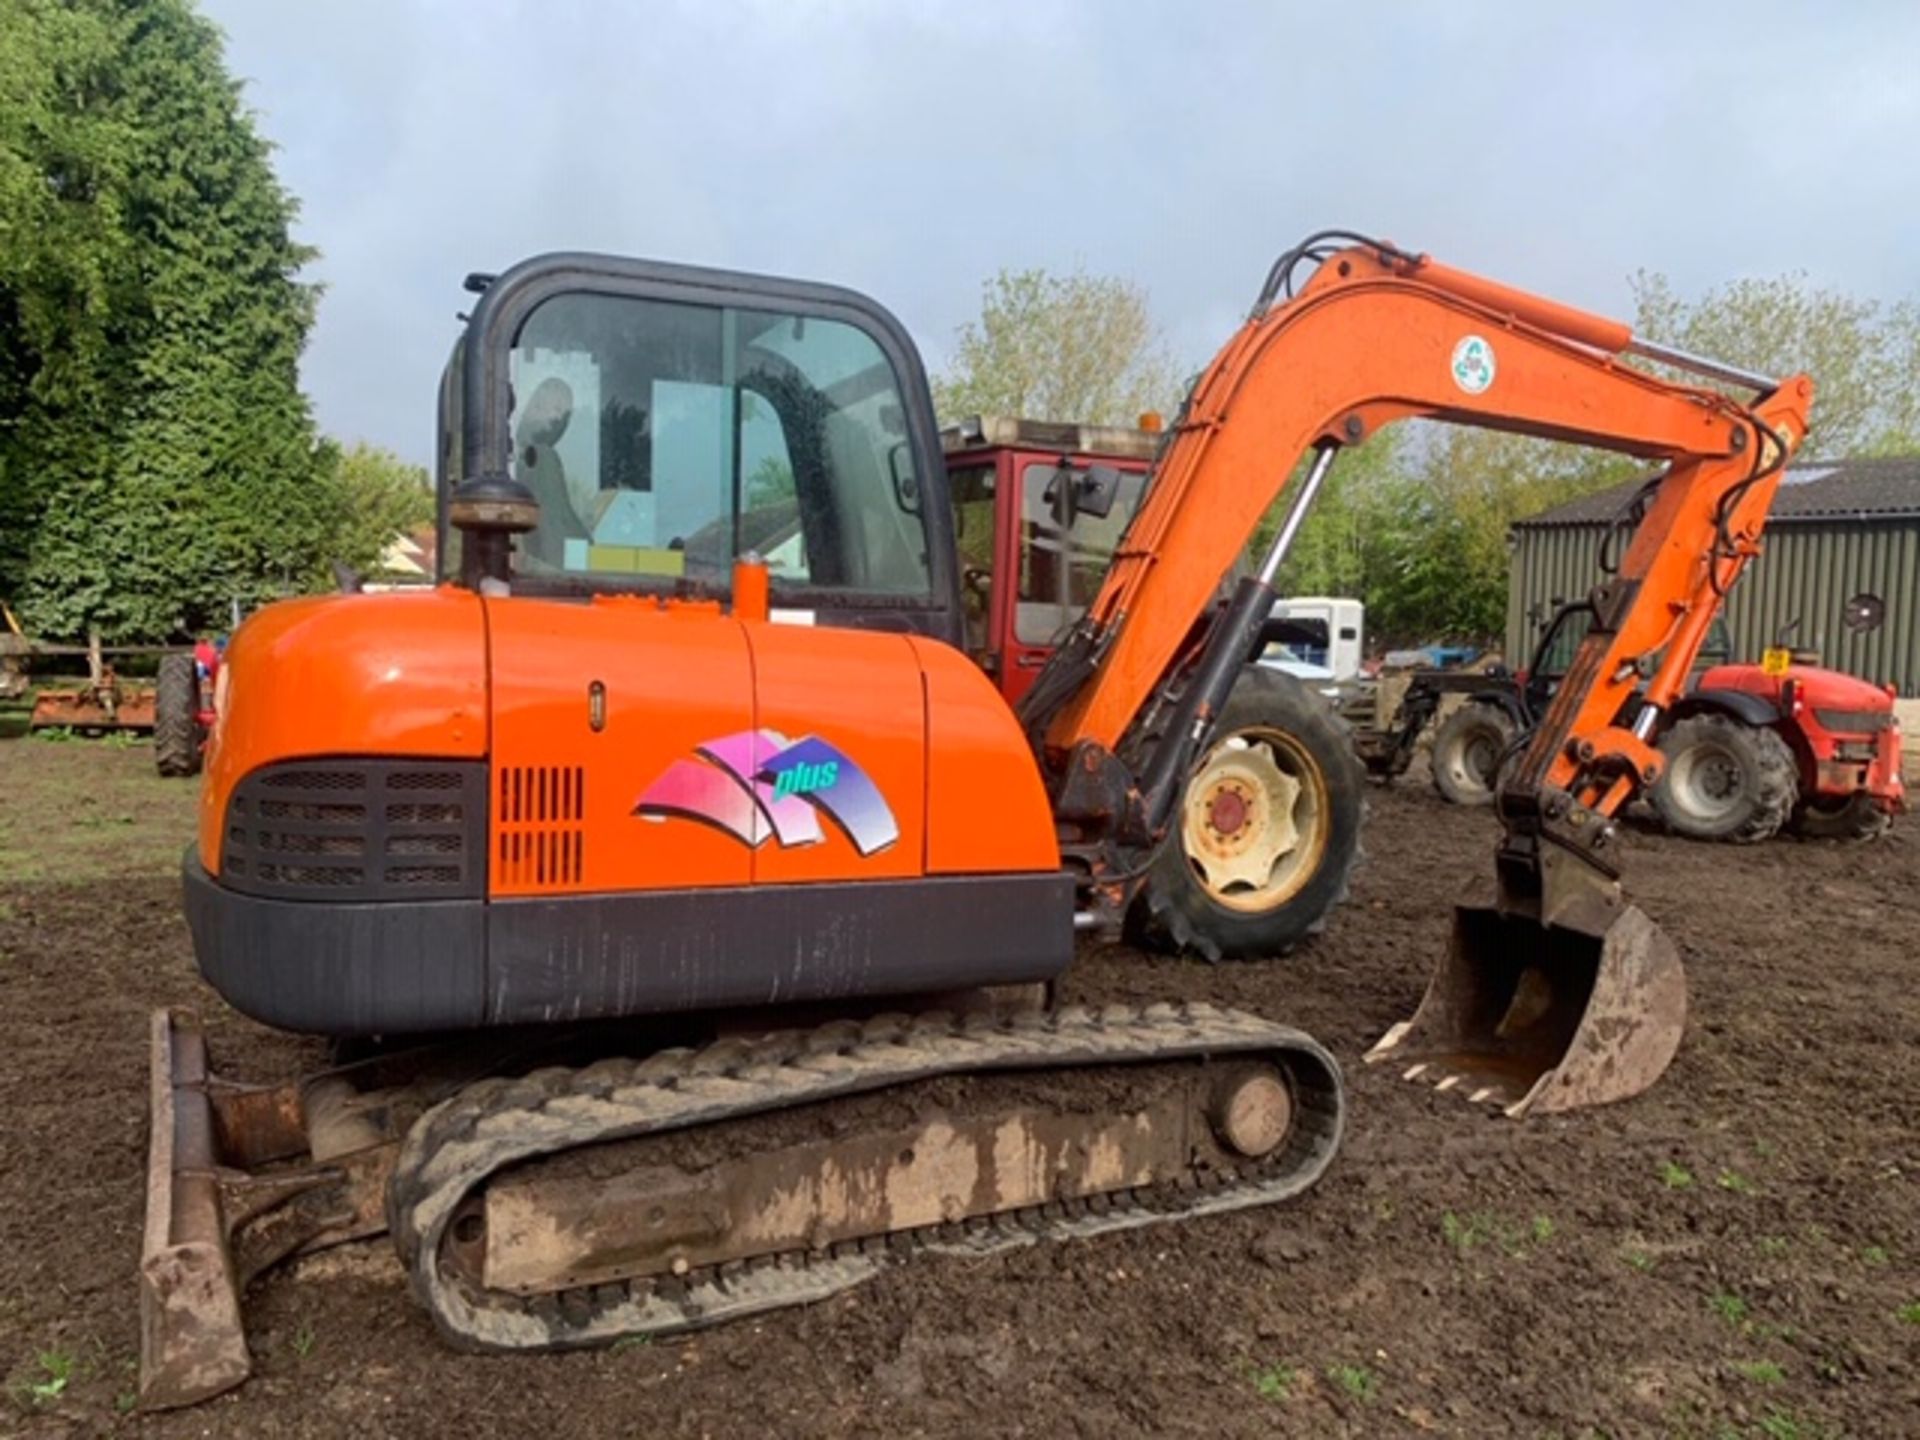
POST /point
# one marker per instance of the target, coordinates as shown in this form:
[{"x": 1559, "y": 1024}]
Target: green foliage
[
  {"x": 381, "y": 496},
  {"x": 157, "y": 459},
  {"x": 1761, "y": 1372},
  {"x": 1275, "y": 1382},
  {"x": 1676, "y": 1176},
  {"x": 1729, "y": 1307},
  {"x": 1414, "y": 522},
  {"x": 1356, "y": 1380},
  {"x": 55, "y": 1369},
  {"x": 1864, "y": 357},
  {"x": 1073, "y": 347}
]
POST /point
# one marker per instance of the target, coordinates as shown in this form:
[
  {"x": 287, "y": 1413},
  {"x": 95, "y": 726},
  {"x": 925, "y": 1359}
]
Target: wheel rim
[
  {"x": 1480, "y": 757},
  {"x": 1473, "y": 757},
  {"x": 1254, "y": 821},
  {"x": 1707, "y": 781}
]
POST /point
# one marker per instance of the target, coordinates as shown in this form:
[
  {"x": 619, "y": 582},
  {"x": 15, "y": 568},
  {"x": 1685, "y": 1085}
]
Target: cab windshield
[{"x": 664, "y": 439}]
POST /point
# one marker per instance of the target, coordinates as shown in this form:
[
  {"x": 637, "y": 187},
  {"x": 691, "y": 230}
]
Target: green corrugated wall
[{"x": 1809, "y": 569}]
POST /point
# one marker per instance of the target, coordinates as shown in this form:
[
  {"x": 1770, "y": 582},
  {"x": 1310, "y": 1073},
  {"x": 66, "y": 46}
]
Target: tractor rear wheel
[
  {"x": 1267, "y": 834},
  {"x": 176, "y": 717},
  {"x": 1467, "y": 751},
  {"x": 1842, "y": 817},
  {"x": 1725, "y": 780}
]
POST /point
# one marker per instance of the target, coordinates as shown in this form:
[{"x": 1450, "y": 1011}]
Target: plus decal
[{"x": 758, "y": 784}]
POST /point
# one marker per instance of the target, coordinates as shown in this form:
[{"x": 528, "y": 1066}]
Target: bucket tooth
[{"x": 1537, "y": 1017}]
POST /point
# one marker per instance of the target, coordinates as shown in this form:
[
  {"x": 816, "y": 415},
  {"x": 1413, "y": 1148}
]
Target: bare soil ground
[{"x": 1735, "y": 1254}]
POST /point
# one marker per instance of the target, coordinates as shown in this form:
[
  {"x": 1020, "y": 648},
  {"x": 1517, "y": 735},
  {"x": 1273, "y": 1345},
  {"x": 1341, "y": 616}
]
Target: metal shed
[{"x": 1839, "y": 529}]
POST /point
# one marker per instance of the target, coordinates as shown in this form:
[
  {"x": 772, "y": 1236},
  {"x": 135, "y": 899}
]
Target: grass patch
[
  {"x": 1761, "y": 1372},
  {"x": 1465, "y": 1232},
  {"x": 1356, "y": 1381},
  {"x": 1275, "y": 1382},
  {"x": 303, "y": 1339},
  {"x": 1638, "y": 1259},
  {"x": 1774, "y": 1246},
  {"x": 1736, "y": 1182},
  {"x": 1908, "y": 1314},
  {"x": 1874, "y": 1255},
  {"x": 1729, "y": 1307},
  {"x": 1676, "y": 1176},
  {"x": 53, "y": 1371},
  {"x": 116, "y": 817}
]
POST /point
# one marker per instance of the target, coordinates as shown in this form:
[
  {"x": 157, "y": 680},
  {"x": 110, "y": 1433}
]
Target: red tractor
[
  {"x": 1785, "y": 743},
  {"x": 183, "y": 707},
  {"x": 1750, "y": 750}
]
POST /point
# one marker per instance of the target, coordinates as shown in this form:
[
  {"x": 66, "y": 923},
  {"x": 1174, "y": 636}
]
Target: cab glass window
[
  {"x": 664, "y": 439},
  {"x": 971, "y": 487},
  {"x": 1063, "y": 554}
]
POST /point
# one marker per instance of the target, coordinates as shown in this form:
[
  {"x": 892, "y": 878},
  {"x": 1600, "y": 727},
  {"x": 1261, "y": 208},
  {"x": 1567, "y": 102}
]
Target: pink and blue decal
[{"x": 758, "y": 784}]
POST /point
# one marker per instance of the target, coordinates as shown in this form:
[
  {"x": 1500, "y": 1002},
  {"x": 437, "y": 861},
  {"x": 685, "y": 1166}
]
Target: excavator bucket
[{"x": 1537, "y": 1017}]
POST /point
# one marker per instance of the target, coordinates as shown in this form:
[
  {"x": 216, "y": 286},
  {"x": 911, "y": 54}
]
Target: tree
[
  {"x": 157, "y": 456},
  {"x": 1059, "y": 347},
  {"x": 1414, "y": 522},
  {"x": 1864, "y": 358},
  {"x": 382, "y": 497}
]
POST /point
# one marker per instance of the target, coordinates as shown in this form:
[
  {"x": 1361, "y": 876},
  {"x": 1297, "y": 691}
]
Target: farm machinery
[
  {"x": 735, "y": 892},
  {"x": 176, "y": 709},
  {"x": 1751, "y": 749}
]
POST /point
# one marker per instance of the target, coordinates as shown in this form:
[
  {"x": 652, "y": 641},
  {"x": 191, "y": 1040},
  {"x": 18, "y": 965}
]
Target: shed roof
[{"x": 1814, "y": 491}]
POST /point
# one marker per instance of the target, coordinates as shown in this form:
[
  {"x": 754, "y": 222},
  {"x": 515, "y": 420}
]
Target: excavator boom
[{"x": 1556, "y": 993}]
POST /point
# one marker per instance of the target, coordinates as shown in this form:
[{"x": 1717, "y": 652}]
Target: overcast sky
[{"x": 910, "y": 149}]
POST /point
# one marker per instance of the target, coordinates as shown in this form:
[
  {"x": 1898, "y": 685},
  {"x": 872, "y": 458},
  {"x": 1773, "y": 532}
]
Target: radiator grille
[
  {"x": 359, "y": 830},
  {"x": 1855, "y": 722},
  {"x": 540, "y": 816}
]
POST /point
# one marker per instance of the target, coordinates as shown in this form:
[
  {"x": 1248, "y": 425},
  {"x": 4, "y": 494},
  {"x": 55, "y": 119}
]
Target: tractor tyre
[
  {"x": 1467, "y": 751},
  {"x": 177, "y": 737},
  {"x": 1725, "y": 780},
  {"x": 1842, "y": 817},
  {"x": 1266, "y": 836}
]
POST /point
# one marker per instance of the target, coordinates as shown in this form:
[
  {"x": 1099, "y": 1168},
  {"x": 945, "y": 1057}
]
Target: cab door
[{"x": 1059, "y": 558}]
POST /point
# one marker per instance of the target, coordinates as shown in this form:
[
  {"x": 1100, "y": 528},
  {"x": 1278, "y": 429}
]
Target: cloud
[{"x": 912, "y": 150}]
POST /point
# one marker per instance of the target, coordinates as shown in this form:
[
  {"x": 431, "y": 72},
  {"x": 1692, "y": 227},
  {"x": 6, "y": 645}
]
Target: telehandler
[{"x": 651, "y": 860}]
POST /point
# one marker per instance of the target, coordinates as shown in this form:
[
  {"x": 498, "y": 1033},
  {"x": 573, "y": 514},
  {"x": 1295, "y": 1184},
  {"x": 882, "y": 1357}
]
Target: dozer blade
[
  {"x": 239, "y": 1178},
  {"x": 191, "y": 1342},
  {"x": 1540, "y": 1017}
]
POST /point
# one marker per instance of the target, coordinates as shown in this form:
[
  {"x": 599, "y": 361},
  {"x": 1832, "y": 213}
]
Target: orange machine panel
[
  {"x": 393, "y": 674},
  {"x": 986, "y": 807},
  {"x": 599, "y": 778},
  {"x": 841, "y": 741}
]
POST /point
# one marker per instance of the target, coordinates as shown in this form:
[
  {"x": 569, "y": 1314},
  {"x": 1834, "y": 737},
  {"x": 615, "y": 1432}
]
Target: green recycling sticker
[{"x": 1473, "y": 364}]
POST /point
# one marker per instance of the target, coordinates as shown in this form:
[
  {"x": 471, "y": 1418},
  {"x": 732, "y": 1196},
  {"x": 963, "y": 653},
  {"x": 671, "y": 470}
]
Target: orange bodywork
[
  {"x": 394, "y": 674},
  {"x": 1375, "y": 338},
  {"x": 581, "y": 709}
]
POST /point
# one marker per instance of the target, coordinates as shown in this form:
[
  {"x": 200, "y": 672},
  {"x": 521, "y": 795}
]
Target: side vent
[
  {"x": 540, "y": 813},
  {"x": 351, "y": 830}
]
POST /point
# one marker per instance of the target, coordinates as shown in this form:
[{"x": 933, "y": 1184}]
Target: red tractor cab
[{"x": 1033, "y": 551}]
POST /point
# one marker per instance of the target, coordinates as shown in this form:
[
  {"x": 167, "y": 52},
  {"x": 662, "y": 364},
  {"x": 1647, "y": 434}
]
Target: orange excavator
[{"x": 686, "y": 905}]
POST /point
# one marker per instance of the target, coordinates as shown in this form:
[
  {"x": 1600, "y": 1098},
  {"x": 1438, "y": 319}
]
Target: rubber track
[{"x": 456, "y": 1146}]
